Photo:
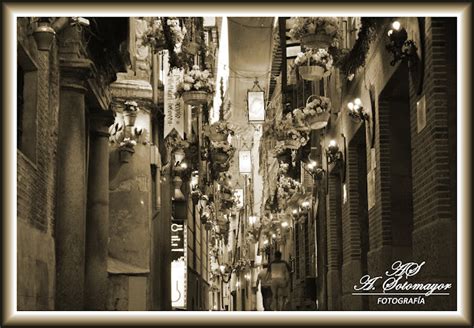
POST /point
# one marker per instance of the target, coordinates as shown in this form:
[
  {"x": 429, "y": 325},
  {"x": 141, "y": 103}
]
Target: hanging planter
[
  {"x": 195, "y": 98},
  {"x": 314, "y": 64},
  {"x": 284, "y": 157},
  {"x": 312, "y": 73},
  {"x": 219, "y": 157},
  {"x": 315, "y": 115},
  {"x": 196, "y": 86},
  {"x": 219, "y": 131},
  {"x": 315, "y": 32},
  {"x": 320, "y": 40},
  {"x": 292, "y": 144}
]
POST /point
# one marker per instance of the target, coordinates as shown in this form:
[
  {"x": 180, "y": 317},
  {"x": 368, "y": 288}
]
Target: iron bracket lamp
[
  {"x": 356, "y": 110},
  {"x": 333, "y": 153},
  {"x": 316, "y": 171},
  {"x": 399, "y": 45}
]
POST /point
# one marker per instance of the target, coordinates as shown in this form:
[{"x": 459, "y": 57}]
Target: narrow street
[{"x": 236, "y": 163}]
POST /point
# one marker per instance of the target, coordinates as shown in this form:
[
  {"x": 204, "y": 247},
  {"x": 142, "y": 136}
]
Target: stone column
[
  {"x": 71, "y": 186},
  {"x": 97, "y": 227}
]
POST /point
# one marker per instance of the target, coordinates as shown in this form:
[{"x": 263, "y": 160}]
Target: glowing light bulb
[
  {"x": 332, "y": 143},
  {"x": 265, "y": 242},
  {"x": 184, "y": 165},
  {"x": 396, "y": 25},
  {"x": 295, "y": 211},
  {"x": 284, "y": 224},
  {"x": 390, "y": 32},
  {"x": 274, "y": 236},
  {"x": 312, "y": 165},
  {"x": 358, "y": 102},
  {"x": 305, "y": 204},
  {"x": 350, "y": 106}
]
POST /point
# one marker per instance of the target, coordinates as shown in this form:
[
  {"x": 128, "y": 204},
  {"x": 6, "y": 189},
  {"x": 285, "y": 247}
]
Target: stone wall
[{"x": 36, "y": 178}]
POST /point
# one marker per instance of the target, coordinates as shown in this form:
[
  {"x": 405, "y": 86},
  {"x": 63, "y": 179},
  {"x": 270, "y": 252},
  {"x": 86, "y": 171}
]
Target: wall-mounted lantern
[
  {"x": 256, "y": 103},
  {"x": 333, "y": 153},
  {"x": 400, "y": 47},
  {"x": 356, "y": 110},
  {"x": 316, "y": 171}
]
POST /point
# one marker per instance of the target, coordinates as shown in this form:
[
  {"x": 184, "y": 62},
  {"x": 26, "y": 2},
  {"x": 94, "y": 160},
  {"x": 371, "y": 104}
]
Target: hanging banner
[
  {"x": 178, "y": 264},
  {"x": 174, "y": 107}
]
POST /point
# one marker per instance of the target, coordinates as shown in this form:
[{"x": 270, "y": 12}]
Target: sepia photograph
[{"x": 238, "y": 163}]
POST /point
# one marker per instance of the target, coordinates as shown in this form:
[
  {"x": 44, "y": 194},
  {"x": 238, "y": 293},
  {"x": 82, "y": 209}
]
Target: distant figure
[
  {"x": 280, "y": 277},
  {"x": 264, "y": 278}
]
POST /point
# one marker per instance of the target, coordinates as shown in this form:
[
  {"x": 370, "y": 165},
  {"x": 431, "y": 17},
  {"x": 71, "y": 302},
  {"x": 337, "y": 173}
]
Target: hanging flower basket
[
  {"x": 284, "y": 157},
  {"x": 227, "y": 196},
  {"x": 219, "y": 157},
  {"x": 319, "y": 121},
  {"x": 195, "y": 97},
  {"x": 125, "y": 153},
  {"x": 292, "y": 144},
  {"x": 318, "y": 40},
  {"x": 312, "y": 73}
]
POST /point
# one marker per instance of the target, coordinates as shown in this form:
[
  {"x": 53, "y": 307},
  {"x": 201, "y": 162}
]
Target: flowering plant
[
  {"x": 177, "y": 33},
  {"x": 128, "y": 143},
  {"x": 316, "y": 25},
  {"x": 314, "y": 57},
  {"x": 196, "y": 80},
  {"x": 287, "y": 187},
  {"x": 219, "y": 127},
  {"x": 316, "y": 107},
  {"x": 223, "y": 146},
  {"x": 154, "y": 36},
  {"x": 131, "y": 106}
]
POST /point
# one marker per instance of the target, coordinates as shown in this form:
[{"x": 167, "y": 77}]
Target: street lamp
[
  {"x": 399, "y": 45},
  {"x": 356, "y": 110}
]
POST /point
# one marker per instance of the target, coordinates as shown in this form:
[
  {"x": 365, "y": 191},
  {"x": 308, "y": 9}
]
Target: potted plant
[
  {"x": 177, "y": 33},
  {"x": 315, "y": 115},
  {"x": 126, "y": 150},
  {"x": 315, "y": 32},
  {"x": 154, "y": 36},
  {"x": 219, "y": 131},
  {"x": 221, "y": 151},
  {"x": 314, "y": 64},
  {"x": 196, "y": 86},
  {"x": 130, "y": 112}
]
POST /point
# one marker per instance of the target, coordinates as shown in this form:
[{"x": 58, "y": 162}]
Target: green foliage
[{"x": 349, "y": 61}]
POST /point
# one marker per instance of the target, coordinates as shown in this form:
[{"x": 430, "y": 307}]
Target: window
[{"x": 26, "y": 103}]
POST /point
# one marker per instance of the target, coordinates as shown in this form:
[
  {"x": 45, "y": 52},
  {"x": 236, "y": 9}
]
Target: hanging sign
[
  {"x": 178, "y": 264},
  {"x": 256, "y": 106},
  {"x": 174, "y": 106},
  {"x": 245, "y": 162}
]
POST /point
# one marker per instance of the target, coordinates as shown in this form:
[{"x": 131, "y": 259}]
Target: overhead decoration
[
  {"x": 315, "y": 32},
  {"x": 256, "y": 103},
  {"x": 315, "y": 115},
  {"x": 174, "y": 106},
  {"x": 219, "y": 131},
  {"x": 196, "y": 86},
  {"x": 314, "y": 64}
]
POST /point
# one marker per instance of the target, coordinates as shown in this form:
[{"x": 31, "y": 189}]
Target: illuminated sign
[{"x": 178, "y": 264}]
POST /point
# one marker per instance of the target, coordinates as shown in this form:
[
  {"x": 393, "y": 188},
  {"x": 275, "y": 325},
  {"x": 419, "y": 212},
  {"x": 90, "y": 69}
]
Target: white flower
[{"x": 187, "y": 86}]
